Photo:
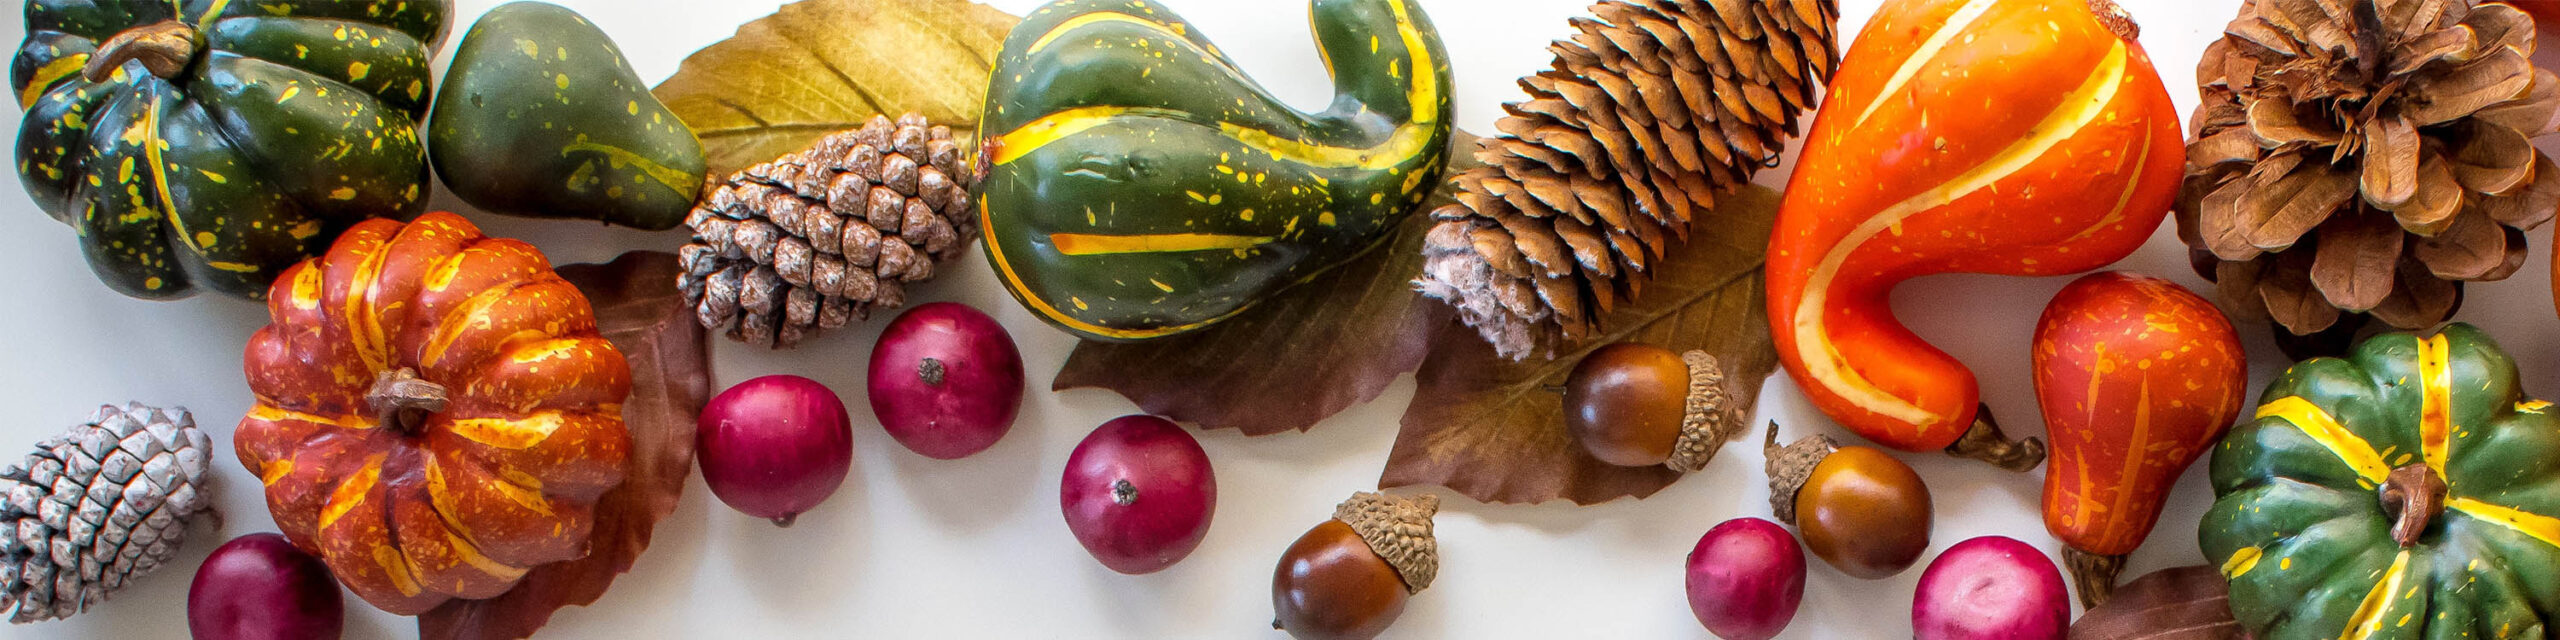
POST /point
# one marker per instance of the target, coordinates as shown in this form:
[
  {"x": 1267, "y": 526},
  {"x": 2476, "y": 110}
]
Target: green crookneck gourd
[
  {"x": 541, "y": 116},
  {"x": 209, "y": 144},
  {"x": 1137, "y": 185}
]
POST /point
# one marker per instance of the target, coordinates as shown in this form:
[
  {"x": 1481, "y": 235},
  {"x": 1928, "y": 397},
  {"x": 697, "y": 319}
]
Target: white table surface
[{"x": 915, "y": 548}]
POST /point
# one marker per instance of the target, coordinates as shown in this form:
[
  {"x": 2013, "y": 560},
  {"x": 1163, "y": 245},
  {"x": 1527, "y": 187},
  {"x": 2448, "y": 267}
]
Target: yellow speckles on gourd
[
  {"x": 1325, "y": 219},
  {"x": 234, "y": 267},
  {"x": 560, "y": 80},
  {"x": 2241, "y": 562},
  {"x": 152, "y": 283},
  {"x": 1160, "y": 285},
  {"x": 289, "y": 92},
  {"x": 301, "y": 52},
  {"x": 631, "y": 107},
  {"x": 561, "y": 52},
  {"x": 215, "y": 177},
  {"x": 1079, "y": 303},
  {"x": 205, "y": 239},
  {"x": 342, "y": 193},
  {"x": 358, "y": 70}
]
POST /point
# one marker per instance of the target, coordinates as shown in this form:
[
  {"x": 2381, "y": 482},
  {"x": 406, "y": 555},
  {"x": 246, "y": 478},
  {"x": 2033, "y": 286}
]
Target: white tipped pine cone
[{"x": 104, "y": 503}]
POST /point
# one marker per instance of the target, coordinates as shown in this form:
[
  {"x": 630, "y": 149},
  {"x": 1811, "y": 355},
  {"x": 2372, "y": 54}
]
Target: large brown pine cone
[
  {"x": 1651, "y": 109},
  {"x": 2367, "y": 156},
  {"x": 815, "y": 239}
]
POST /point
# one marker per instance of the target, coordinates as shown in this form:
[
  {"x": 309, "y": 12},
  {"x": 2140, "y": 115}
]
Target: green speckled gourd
[
  {"x": 2409, "y": 490},
  {"x": 1137, "y": 185},
  {"x": 541, "y": 116},
  {"x": 206, "y": 145}
]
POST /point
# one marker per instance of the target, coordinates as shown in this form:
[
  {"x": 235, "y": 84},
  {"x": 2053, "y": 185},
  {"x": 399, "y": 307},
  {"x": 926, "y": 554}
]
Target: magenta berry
[
  {"x": 1991, "y": 588},
  {"x": 946, "y": 380},
  {"x": 260, "y": 587},
  {"x": 775, "y": 446},
  {"x": 1746, "y": 578},
  {"x": 1138, "y": 494}
]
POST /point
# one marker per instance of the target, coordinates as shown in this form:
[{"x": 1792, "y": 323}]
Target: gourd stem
[
  {"x": 2412, "y": 497},
  {"x": 2115, "y": 19},
  {"x": 2093, "y": 575},
  {"x": 401, "y": 401},
  {"x": 1986, "y": 443},
  {"x": 165, "y": 49}
]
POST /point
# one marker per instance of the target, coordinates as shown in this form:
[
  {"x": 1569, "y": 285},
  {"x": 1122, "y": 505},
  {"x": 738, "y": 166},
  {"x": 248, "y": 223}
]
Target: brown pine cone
[
  {"x": 1652, "y": 109},
  {"x": 815, "y": 239},
  {"x": 2354, "y": 156}
]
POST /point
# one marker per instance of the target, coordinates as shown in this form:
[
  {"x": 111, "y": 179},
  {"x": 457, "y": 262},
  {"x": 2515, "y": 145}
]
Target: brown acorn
[
  {"x": 1638, "y": 405},
  {"x": 1858, "y": 508},
  {"x": 1348, "y": 578}
]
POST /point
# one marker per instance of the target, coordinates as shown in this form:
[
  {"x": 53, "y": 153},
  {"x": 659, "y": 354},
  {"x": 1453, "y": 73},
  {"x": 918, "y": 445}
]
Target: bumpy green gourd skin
[
  {"x": 541, "y": 116},
  {"x": 295, "y": 120},
  {"x": 2299, "y": 528},
  {"x": 1138, "y": 185}
]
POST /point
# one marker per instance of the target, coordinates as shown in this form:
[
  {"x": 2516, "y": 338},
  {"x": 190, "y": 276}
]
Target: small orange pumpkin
[{"x": 435, "y": 414}]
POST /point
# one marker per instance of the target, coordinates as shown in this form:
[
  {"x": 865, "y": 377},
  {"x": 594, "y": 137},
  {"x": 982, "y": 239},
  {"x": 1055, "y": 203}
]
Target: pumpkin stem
[
  {"x": 2413, "y": 496},
  {"x": 1986, "y": 443},
  {"x": 401, "y": 401},
  {"x": 165, "y": 49}
]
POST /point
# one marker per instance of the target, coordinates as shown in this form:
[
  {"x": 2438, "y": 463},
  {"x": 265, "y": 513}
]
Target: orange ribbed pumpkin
[
  {"x": 435, "y": 414},
  {"x": 2019, "y": 137}
]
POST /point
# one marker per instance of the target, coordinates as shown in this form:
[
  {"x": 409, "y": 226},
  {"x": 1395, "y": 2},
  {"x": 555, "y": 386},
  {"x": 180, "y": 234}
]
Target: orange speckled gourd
[
  {"x": 436, "y": 413},
  {"x": 2016, "y": 137}
]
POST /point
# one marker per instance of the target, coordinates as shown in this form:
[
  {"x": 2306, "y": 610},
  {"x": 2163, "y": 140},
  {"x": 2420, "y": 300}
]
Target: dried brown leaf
[
  {"x": 820, "y": 66},
  {"x": 2185, "y": 603},
  {"x": 638, "y": 308},
  {"x": 1493, "y": 429},
  {"x": 1314, "y": 350}
]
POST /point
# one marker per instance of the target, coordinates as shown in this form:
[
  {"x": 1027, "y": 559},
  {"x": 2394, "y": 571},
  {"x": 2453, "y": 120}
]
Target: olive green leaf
[
  {"x": 1286, "y": 364},
  {"x": 1493, "y": 429},
  {"x": 821, "y": 66}
]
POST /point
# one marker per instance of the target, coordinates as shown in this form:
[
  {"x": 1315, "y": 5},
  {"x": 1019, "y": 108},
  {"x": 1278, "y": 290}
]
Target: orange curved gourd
[
  {"x": 416, "y": 502},
  {"x": 2016, "y": 137}
]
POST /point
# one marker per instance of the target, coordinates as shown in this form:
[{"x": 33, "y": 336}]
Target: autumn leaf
[
  {"x": 1310, "y": 352},
  {"x": 638, "y": 308},
  {"x": 820, "y": 66},
  {"x": 2185, "y": 603},
  {"x": 1493, "y": 429}
]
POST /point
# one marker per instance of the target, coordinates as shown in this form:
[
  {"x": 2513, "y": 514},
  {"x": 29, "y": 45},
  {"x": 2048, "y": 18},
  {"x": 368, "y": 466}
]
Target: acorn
[
  {"x": 1638, "y": 405},
  {"x": 1858, "y": 508},
  {"x": 1348, "y": 578}
]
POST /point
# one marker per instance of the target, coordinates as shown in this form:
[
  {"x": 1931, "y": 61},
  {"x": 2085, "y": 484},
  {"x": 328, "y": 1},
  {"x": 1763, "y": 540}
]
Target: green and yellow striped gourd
[
  {"x": 206, "y": 145},
  {"x": 2407, "y": 491},
  {"x": 1137, "y": 185}
]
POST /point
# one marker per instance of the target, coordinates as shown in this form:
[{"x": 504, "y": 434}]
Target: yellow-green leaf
[{"x": 820, "y": 66}]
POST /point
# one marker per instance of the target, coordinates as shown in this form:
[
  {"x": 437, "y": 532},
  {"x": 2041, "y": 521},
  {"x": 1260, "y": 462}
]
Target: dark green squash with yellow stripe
[
  {"x": 210, "y": 144},
  {"x": 2409, "y": 490},
  {"x": 1138, "y": 185}
]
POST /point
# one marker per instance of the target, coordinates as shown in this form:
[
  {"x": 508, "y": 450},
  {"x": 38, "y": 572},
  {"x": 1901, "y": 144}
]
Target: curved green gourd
[
  {"x": 541, "y": 116},
  {"x": 279, "y": 124},
  {"x": 2302, "y": 532},
  {"x": 1138, "y": 185}
]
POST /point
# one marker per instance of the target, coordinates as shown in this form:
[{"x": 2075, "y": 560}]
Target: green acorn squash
[
  {"x": 2409, "y": 490},
  {"x": 209, "y": 144},
  {"x": 1138, "y": 185}
]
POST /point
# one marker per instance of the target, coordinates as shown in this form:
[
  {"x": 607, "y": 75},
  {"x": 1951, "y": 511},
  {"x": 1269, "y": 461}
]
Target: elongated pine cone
[
  {"x": 814, "y": 240},
  {"x": 1649, "y": 112},
  {"x": 2366, "y": 156},
  {"x": 102, "y": 504}
]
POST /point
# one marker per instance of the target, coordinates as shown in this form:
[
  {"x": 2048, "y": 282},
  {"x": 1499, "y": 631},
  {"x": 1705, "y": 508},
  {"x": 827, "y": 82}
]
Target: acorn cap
[
  {"x": 1790, "y": 466},
  {"x": 1705, "y": 423},
  {"x": 1398, "y": 529}
]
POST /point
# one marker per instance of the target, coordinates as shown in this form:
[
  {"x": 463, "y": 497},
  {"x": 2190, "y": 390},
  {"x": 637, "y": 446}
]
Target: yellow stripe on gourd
[
  {"x": 1085, "y": 244},
  {"x": 351, "y": 493},
  {"x": 2538, "y": 526},
  {"x": 2241, "y": 562},
  {"x": 2369, "y": 617},
  {"x": 1032, "y": 299},
  {"x": 1822, "y": 359},
  {"x": 2435, "y": 406},
  {"x": 51, "y": 72},
  {"x": 2324, "y": 429},
  {"x": 515, "y": 434},
  {"x": 1938, "y": 41},
  {"x": 674, "y": 179}
]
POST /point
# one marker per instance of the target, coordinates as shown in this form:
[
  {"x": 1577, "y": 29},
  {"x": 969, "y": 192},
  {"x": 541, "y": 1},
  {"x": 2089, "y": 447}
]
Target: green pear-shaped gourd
[
  {"x": 1137, "y": 185},
  {"x": 541, "y": 116}
]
